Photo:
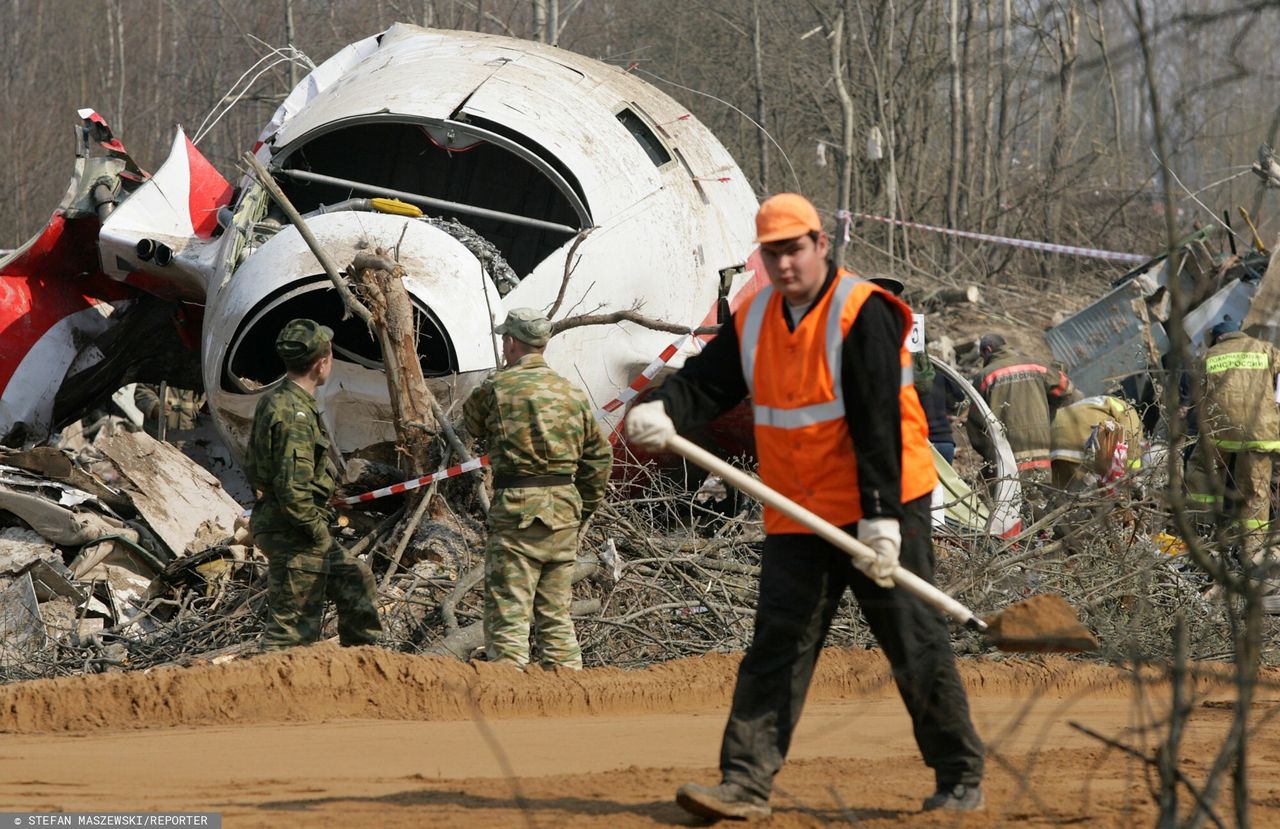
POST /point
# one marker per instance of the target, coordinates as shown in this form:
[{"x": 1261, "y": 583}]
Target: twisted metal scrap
[{"x": 688, "y": 585}]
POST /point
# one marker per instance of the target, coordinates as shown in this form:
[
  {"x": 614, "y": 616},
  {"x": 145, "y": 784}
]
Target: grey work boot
[
  {"x": 956, "y": 798},
  {"x": 726, "y": 801}
]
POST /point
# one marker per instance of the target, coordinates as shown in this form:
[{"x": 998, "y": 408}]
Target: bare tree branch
[
  {"x": 350, "y": 304},
  {"x": 570, "y": 264},
  {"x": 631, "y": 316}
]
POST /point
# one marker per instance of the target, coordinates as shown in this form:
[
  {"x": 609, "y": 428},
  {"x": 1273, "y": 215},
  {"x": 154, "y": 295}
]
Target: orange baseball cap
[{"x": 786, "y": 216}]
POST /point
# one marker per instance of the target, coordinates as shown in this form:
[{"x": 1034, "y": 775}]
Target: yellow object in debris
[
  {"x": 396, "y": 207},
  {"x": 1257, "y": 240},
  {"x": 1168, "y": 544}
]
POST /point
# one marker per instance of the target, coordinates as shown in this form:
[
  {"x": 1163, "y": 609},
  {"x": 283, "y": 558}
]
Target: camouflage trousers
[
  {"x": 520, "y": 586},
  {"x": 300, "y": 580}
]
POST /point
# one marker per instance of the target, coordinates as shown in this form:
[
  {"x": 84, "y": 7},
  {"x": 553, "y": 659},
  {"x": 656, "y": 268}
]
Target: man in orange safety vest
[{"x": 839, "y": 430}]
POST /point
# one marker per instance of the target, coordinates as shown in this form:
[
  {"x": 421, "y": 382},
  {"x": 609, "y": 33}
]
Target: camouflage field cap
[
  {"x": 302, "y": 340},
  {"x": 528, "y": 325}
]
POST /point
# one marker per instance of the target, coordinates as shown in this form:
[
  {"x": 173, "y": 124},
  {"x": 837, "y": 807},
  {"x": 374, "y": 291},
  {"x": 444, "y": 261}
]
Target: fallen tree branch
[
  {"x": 629, "y": 315},
  {"x": 449, "y": 607},
  {"x": 410, "y": 528},
  {"x": 460, "y": 452}
]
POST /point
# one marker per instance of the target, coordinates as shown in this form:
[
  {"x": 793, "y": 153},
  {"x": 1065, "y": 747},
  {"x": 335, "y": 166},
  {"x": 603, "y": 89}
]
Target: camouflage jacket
[
  {"x": 1023, "y": 395},
  {"x": 182, "y": 407},
  {"x": 287, "y": 465},
  {"x": 535, "y": 422},
  {"x": 1240, "y": 409}
]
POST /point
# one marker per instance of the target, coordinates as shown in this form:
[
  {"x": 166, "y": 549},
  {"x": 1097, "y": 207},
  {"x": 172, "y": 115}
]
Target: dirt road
[{"x": 328, "y": 738}]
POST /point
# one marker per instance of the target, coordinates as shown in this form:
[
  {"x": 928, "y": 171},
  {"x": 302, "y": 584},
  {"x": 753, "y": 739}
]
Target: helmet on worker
[
  {"x": 793, "y": 246},
  {"x": 1225, "y": 326},
  {"x": 988, "y": 345}
]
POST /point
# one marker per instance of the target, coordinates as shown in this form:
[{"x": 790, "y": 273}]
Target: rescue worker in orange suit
[
  {"x": 1023, "y": 395},
  {"x": 838, "y": 429}
]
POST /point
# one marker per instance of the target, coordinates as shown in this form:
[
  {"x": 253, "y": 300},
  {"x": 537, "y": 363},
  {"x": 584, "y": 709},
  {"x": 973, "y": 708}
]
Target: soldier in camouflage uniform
[
  {"x": 181, "y": 408},
  {"x": 550, "y": 466},
  {"x": 287, "y": 465}
]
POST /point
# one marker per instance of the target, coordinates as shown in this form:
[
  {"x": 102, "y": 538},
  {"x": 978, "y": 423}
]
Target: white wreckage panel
[
  {"x": 182, "y": 504},
  {"x": 70, "y": 564}
]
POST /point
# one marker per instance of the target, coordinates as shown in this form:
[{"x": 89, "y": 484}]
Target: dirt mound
[
  {"x": 325, "y": 683},
  {"x": 1041, "y": 624}
]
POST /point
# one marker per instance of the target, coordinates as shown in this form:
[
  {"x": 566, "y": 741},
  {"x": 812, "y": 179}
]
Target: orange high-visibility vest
[{"x": 802, "y": 438}]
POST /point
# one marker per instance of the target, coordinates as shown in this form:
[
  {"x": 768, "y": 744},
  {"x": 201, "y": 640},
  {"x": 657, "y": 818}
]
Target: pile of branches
[{"x": 669, "y": 568}]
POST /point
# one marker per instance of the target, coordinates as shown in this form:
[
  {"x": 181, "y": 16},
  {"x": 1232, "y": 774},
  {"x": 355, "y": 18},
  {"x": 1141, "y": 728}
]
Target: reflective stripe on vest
[
  {"x": 794, "y": 374},
  {"x": 1248, "y": 445},
  {"x": 1010, "y": 372},
  {"x": 802, "y": 416},
  {"x": 1236, "y": 359}
]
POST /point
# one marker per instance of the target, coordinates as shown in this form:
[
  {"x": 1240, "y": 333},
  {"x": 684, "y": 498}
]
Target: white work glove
[
  {"x": 884, "y": 537},
  {"x": 649, "y": 427}
]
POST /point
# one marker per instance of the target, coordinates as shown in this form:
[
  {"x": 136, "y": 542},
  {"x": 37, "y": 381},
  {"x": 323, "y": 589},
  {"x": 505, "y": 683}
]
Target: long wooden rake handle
[{"x": 903, "y": 578}]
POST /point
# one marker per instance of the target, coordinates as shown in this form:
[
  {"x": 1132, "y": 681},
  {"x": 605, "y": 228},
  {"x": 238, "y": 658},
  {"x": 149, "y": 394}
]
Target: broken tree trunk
[
  {"x": 954, "y": 296},
  {"x": 413, "y": 406},
  {"x": 381, "y": 282}
]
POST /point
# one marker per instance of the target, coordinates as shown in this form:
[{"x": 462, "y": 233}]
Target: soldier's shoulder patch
[{"x": 299, "y": 415}]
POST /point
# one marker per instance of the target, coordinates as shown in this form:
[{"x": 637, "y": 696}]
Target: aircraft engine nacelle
[{"x": 282, "y": 280}]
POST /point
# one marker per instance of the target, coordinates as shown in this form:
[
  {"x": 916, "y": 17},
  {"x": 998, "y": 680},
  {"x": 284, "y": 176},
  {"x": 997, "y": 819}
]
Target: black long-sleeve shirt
[{"x": 711, "y": 383}]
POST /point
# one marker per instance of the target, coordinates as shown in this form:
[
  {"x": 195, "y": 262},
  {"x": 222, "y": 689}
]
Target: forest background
[{"x": 1026, "y": 118}]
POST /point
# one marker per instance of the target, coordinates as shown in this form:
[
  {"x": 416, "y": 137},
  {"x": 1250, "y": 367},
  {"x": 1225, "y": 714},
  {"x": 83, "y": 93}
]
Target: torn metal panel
[
  {"x": 54, "y": 299},
  {"x": 1004, "y": 519},
  {"x": 1235, "y": 300},
  {"x": 1263, "y": 319},
  {"x": 174, "y": 495},
  {"x": 373, "y": 78},
  {"x": 158, "y": 239},
  {"x": 51, "y": 464},
  {"x": 52, "y": 579},
  {"x": 1112, "y": 339},
  {"x": 59, "y": 524},
  {"x": 64, "y": 494},
  {"x": 22, "y": 629}
]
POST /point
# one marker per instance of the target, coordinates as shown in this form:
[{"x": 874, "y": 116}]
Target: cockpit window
[{"x": 640, "y": 130}]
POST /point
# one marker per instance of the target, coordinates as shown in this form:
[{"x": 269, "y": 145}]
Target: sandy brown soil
[{"x": 323, "y": 737}]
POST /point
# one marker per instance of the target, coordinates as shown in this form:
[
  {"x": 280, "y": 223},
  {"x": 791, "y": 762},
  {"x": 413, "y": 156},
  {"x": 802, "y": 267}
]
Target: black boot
[
  {"x": 728, "y": 800},
  {"x": 955, "y": 798}
]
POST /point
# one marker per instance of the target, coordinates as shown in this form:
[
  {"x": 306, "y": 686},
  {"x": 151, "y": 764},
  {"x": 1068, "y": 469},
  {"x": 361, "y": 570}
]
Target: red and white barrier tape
[
  {"x": 404, "y": 486},
  {"x": 625, "y": 396},
  {"x": 1070, "y": 250},
  {"x": 644, "y": 378}
]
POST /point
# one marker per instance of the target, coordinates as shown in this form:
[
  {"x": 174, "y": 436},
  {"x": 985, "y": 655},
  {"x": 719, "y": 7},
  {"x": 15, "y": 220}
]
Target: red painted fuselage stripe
[{"x": 57, "y": 276}]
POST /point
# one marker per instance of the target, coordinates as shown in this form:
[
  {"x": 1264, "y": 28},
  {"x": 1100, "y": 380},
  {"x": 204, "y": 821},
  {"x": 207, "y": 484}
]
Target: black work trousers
[{"x": 802, "y": 579}]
